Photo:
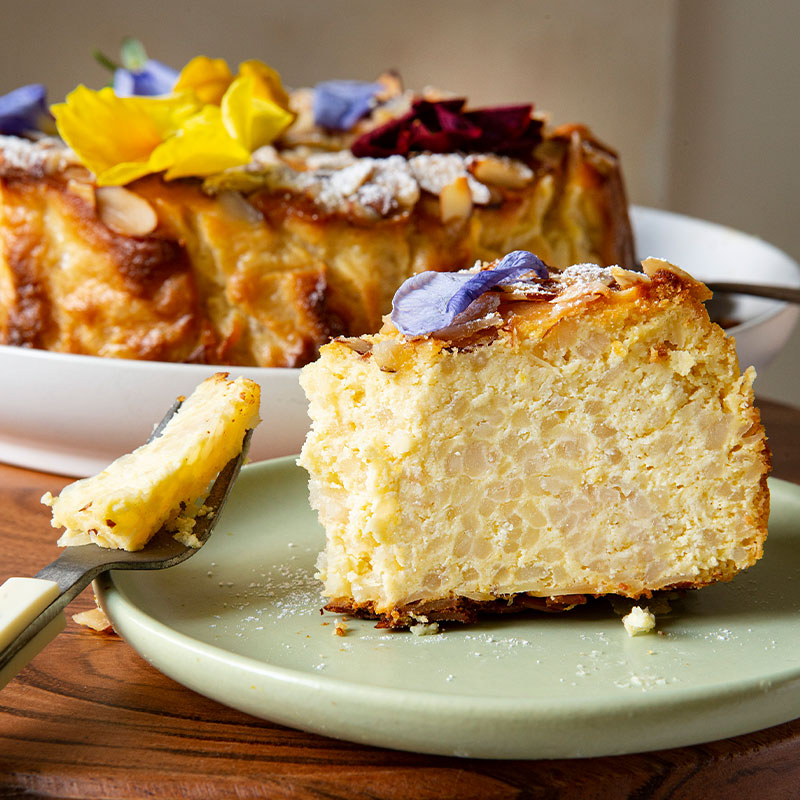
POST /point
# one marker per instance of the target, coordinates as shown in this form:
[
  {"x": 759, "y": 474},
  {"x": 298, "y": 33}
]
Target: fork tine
[{"x": 159, "y": 429}]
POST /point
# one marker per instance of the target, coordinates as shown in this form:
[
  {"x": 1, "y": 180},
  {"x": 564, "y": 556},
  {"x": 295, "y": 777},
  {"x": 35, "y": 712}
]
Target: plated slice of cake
[
  {"x": 163, "y": 482},
  {"x": 532, "y": 438}
]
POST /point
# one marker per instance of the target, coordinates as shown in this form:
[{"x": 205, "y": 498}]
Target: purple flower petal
[
  {"x": 340, "y": 104},
  {"x": 154, "y": 79},
  {"x": 23, "y": 110},
  {"x": 430, "y": 301}
]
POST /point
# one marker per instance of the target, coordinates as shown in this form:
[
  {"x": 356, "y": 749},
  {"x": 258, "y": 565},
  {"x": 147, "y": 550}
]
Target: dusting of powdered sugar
[
  {"x": 585, "y": 273},
  {"x": 46, "y": 155},
  {"x": 436, "y": 170},
  {"x": 572, "y": 280},
  {"x": 339, "y": 182},
  {"x": 366, "y": 187}
]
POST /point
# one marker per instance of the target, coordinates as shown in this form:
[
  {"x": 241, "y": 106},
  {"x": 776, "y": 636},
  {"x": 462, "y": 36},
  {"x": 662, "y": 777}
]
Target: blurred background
[{"x": 699, "y": 98}]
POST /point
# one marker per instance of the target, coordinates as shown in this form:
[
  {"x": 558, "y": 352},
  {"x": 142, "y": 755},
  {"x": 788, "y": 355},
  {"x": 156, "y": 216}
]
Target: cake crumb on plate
[{"x": 639, "y": 621}]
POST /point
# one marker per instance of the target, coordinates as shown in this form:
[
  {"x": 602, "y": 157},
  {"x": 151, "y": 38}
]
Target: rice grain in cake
[{"x": 582, "y": 434}]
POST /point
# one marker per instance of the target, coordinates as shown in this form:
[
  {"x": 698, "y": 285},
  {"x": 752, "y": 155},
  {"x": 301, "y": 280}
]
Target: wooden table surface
[{"x": 88, "y": 718}]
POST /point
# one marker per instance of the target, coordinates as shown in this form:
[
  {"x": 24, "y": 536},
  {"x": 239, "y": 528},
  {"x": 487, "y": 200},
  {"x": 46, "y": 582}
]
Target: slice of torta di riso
[
  {"x": 517, "y": 437},
  {"x": 163, "y": 482}
]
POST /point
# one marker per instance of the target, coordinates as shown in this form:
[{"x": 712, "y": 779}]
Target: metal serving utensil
[
  {"x": 30, "y": 608},
  {"x": 722, "y": 307},
  {"x": 787, "y": 293}
]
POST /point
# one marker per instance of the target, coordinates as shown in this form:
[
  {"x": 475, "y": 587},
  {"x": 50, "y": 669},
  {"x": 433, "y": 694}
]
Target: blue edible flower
[
  {"x": 340, "y": 104},
  {"x": 23, "y": 110},
  {"x": 152, "y": 79},
  {"x": 430, "y": 301}
]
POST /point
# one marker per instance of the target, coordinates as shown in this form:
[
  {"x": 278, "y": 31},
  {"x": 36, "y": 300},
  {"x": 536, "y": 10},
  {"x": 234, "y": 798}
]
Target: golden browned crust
[
  {"x": 597, "y": 167},
  {"x": 464, "y": 610},
  {"x": 73, "y": 285},
  {"x": 453, "y": 609},
  {"x": 266, "y": 277}
]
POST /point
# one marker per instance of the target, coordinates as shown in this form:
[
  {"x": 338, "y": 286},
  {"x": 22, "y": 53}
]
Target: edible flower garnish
[
  {"x": 24, "y": 110},
  {"x": 443, "y": 126},
  {"x": 140, "y": 76},
  {"x": 211, "y": 78},
  {"x": 118, "y": 138},
  {"x": 153, "y": 79},
  {"x": 208, "y": 78},
  {"x": 209, "y": 121},
  {"x": 338, "y": 105},
  {"x": 430, "y": 301}
]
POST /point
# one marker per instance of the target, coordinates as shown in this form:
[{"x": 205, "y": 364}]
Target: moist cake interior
[{"x": 603, "y": 446}]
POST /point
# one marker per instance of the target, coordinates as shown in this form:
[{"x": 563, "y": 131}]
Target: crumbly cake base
[
  {"x": 453, "y": 609},
  {"x": 466, "y": 611}
]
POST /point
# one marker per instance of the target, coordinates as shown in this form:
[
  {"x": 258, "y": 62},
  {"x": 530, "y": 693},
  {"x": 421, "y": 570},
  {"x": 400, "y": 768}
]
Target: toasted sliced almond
[
  {"x": 361, "y": 346},
  {"x": 392, "y": 85},
  {"x": 388, "y": 354},
  {"x": 626, "y": 278},
  {"x": 95, "y": 619},
  {"x": 651, "y": 266},
  {"x": 124, "y": 211},
  {"x": 83, "y": 190},
  {"x": 237, "y": 206},
  {"x": 455, "y": 201},
  {"x": 500, "y": 171}
]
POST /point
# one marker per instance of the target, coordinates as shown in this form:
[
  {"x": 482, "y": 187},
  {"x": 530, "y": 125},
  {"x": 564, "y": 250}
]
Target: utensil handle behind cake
[{"x": 787, "y": 293}]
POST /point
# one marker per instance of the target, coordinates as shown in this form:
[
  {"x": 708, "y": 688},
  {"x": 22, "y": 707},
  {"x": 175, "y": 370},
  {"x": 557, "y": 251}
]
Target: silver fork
[{"x": 30, "y": 608}]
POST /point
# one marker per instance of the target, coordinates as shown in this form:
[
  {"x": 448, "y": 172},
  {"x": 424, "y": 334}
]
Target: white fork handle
[{"x": 22, "y": 600}]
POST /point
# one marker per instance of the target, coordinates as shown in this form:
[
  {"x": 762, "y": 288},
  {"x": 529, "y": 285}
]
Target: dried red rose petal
[
  {"x": 442, "y": 126},
  {"x": 507, "y": 130}
]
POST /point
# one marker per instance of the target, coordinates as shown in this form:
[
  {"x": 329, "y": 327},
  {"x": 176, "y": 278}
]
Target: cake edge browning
[
  {"x": 465, "y": 610},
  {"x": 250, "y": 278}
]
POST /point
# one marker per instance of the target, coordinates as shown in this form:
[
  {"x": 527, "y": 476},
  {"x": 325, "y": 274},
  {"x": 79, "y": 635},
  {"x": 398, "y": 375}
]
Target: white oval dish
[{"x": 73, "y": 415}]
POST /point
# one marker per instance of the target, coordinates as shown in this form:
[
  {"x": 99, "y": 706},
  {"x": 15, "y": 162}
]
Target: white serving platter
[{"x": 73, "y": 414}]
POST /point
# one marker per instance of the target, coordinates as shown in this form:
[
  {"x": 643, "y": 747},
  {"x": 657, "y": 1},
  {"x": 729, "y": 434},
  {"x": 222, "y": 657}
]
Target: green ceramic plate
[{"x": 240, "y": 623}]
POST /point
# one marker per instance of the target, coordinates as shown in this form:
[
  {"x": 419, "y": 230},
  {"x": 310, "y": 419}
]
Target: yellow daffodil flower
[
  {"x": 208, "y": 78},
  {"x": 115, "y": 136},
  {"x": 201, "y": 147},
  {"x": 211, "y": 121},
  {"x": 268, "y": 84},
  {"x": 249, "y": 119}
]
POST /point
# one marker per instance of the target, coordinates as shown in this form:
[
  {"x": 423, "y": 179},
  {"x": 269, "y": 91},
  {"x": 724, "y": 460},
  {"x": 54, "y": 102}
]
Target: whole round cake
[{"x": 212, "y": 217}]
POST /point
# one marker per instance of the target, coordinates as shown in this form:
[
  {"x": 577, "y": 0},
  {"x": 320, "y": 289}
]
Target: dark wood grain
[{"x": 88, "y": 718}]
